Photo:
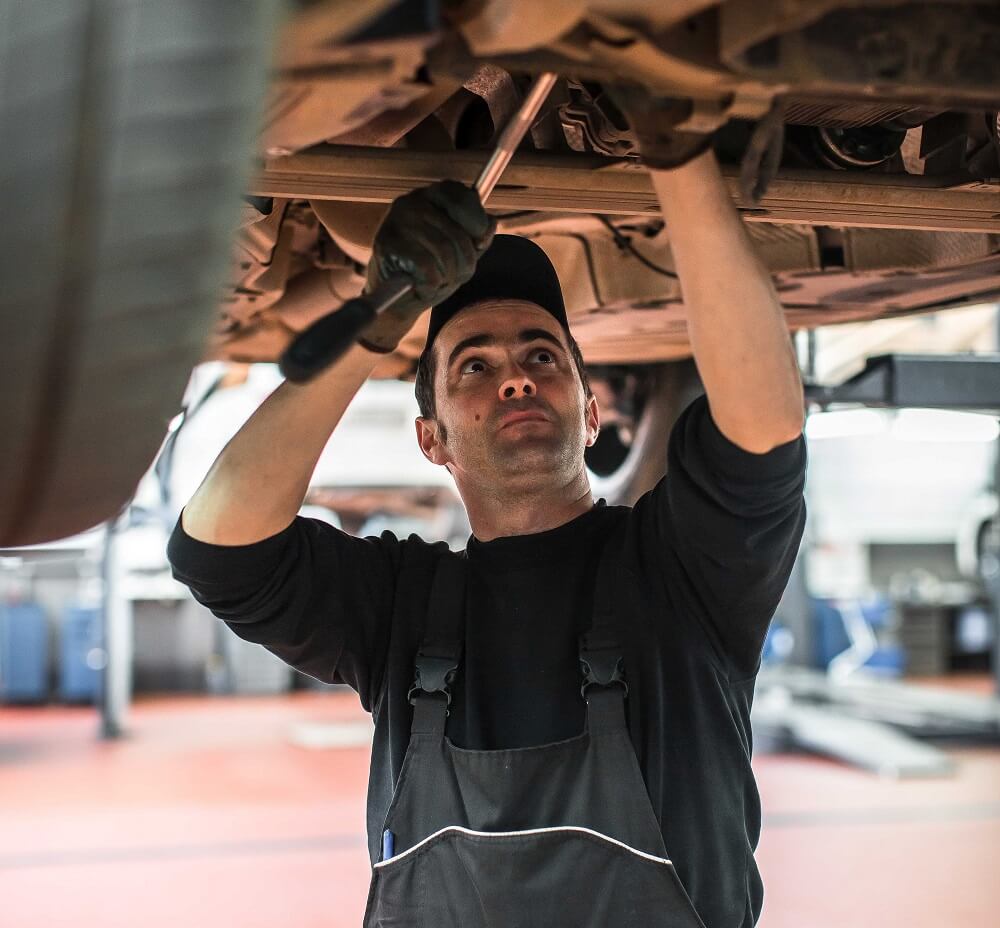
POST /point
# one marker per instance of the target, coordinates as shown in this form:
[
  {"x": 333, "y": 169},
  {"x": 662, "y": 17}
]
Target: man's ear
[
  {"x": 429, "y": 441},
  {"x": 593, "y": 415}
]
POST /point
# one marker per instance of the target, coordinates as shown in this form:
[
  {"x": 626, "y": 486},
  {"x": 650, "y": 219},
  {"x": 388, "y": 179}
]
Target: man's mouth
[{"x": 514, "y": 418}]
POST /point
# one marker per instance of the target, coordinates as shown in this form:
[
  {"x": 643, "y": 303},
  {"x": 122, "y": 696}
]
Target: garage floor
[{"x": 209, "y": 815}]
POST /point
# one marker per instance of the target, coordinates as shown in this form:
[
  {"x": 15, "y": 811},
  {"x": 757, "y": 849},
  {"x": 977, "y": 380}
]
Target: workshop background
[{"x": 154, "y": 767}]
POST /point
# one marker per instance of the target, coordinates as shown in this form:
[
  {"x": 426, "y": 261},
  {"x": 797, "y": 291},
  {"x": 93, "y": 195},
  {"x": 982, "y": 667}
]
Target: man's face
[{"x": 511, "y": 410}]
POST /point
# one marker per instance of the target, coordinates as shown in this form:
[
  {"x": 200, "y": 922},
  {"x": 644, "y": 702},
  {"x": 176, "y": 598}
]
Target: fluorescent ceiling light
[
  {"x": 926, "y": 425},
  {"x": 844, "y": 423},
  {"x": 943, "y": 425}
]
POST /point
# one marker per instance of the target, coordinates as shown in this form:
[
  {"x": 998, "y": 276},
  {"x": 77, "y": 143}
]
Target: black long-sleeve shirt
[{"x": 706, "y": 556}]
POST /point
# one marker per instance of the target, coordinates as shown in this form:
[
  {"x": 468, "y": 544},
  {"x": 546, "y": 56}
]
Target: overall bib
[{"x": 562, "y": 834}]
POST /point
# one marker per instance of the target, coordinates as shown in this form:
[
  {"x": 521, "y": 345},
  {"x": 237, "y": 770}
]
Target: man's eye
[
  {"x": 472, "y": 366},
  {"x": 543, "y": 356}
]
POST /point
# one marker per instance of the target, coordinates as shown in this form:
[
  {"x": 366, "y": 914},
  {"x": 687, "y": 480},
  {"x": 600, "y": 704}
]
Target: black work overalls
[{"x": 539, "y": 837}]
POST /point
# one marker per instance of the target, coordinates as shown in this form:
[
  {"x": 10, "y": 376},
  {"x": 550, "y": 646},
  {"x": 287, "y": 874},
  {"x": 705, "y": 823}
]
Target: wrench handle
[
  {"x": 326, "y": 340},
  {"x": 331, "y": 336}
]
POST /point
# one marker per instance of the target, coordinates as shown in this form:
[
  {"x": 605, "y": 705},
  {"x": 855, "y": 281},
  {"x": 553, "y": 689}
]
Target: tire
[
  {"x": 671, "y": 386},
  {"x": 127, "y": 130}
]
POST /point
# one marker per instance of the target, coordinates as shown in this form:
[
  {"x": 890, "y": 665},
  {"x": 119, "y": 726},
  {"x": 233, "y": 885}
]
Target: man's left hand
[{"x": 653, "y": 120}]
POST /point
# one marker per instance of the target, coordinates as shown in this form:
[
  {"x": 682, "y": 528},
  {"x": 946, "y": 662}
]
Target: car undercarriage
[{"x": 883, "y": 114}]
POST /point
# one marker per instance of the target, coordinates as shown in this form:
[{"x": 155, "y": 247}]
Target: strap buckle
[
  {"x": 433, "y": 675},
  {"x": 603, "y": 667}
]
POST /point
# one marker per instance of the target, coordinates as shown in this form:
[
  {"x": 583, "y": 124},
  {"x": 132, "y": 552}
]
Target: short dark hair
[{"x": 423, "y": 385}]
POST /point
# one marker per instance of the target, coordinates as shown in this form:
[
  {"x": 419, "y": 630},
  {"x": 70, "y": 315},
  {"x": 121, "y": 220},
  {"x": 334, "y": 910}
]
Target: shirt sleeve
[
  {"x": 316, "y": 597},
  {"x": 726, "y": 524}
]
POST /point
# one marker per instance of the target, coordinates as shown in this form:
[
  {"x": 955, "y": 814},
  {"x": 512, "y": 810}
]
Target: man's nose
[{"x": 516, "y": 386}]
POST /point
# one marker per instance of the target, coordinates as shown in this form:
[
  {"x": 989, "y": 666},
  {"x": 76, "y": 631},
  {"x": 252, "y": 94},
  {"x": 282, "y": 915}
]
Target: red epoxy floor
[{"x": 206, "y": 815}]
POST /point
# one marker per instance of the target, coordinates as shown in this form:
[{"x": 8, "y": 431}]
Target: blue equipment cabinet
[
  {"x": 79, "y": 677},
  {"x": 24, "y": 653}
]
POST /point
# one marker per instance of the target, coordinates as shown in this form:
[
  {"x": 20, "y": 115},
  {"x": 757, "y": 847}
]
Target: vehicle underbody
[{"x": 885, "y": 201}]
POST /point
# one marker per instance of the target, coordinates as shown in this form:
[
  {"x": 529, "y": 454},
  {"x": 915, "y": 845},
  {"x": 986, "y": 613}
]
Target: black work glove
[
  {"x": 433, "y": 236},
  {"x": 652, "y": 119}
]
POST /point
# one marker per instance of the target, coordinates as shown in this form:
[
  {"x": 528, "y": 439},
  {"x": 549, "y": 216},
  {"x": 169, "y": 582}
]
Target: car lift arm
[{"x": 957, "y": 381}]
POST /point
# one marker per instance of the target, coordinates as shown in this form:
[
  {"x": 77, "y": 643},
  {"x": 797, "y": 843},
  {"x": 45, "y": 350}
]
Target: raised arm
[
  {"x": 257, "y": 484},
  {"x": 735, "y": 321},
  {"x": 727, "y": 519}
]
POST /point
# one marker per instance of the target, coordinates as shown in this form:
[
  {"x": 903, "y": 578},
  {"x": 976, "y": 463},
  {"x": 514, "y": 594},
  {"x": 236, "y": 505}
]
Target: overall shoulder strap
[
  {"x": 441, "y": 651},
  {"x": 601, "y": 657}
]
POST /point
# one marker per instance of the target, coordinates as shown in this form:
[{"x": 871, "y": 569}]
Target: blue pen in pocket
[{"x": 388, "y": 844}]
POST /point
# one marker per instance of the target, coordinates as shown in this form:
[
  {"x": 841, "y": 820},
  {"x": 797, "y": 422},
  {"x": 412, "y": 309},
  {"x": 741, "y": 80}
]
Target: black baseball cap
[{"x": 512, "y": 268}]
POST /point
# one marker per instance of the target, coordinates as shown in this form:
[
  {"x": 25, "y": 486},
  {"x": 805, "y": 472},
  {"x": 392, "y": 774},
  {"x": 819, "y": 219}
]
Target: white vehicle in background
[{"x": 371, "y": 475}]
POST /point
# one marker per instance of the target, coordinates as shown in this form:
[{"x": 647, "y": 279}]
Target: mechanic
[{"x": 562, "y": 731}]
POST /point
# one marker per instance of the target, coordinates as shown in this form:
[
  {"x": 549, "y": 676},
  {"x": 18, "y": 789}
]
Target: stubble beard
[{"x": 522, "y": 460}]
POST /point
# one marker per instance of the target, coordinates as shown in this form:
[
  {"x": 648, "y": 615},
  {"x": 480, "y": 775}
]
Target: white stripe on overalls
[{"x": 531, "y": 831}]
